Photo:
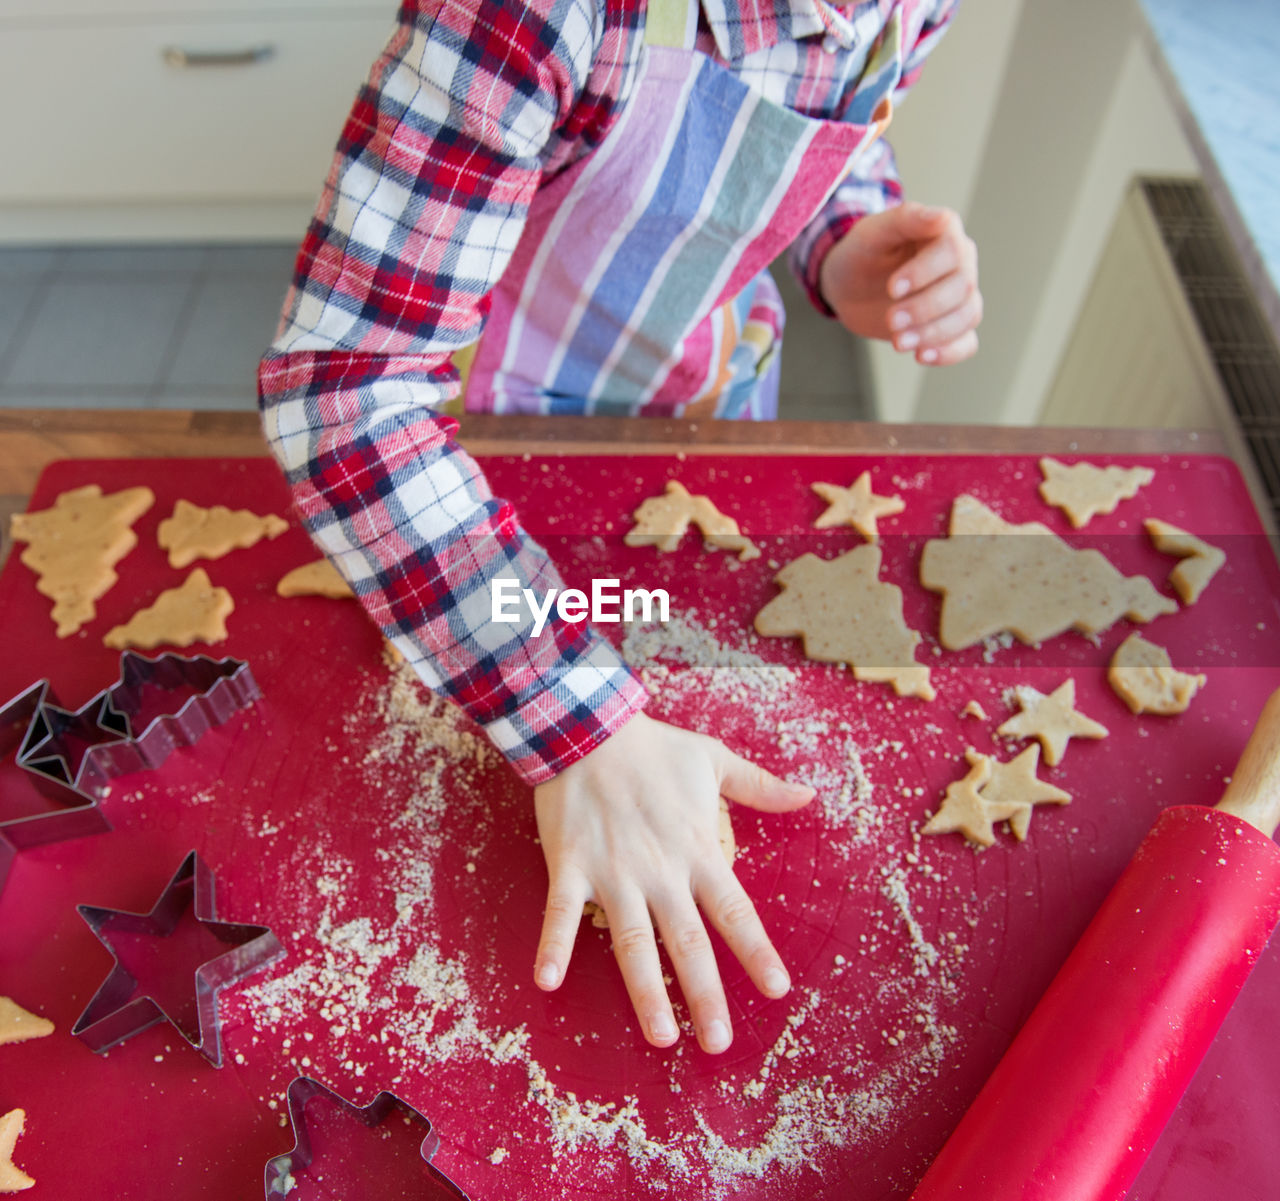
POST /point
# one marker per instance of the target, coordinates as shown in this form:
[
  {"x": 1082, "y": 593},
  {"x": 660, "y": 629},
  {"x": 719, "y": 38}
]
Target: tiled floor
[{"x": 183, "y": 327}]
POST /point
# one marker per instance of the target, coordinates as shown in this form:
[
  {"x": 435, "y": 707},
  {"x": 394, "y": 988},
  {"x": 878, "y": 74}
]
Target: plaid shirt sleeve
[
  {"x": 419, "y": 216},
  {"x": 873, "y": 184}
]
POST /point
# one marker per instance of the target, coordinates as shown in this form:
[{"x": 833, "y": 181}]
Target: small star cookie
[
  {"x": 964, "y": 810},
  {"x": 1200, "y": 561},
  {"x": 1053, "y": 720},
  {"x": 845, "y": 613},
  {"x": 1015, "y": 782},
  {"x": 193, "y": 533},
  {"x": 12, "y": 1178},
  {"x": 1082, "y": 490},
  {"x": 856, "y": 505},
  {"x": 1143, "y": 676},
  {"x": 17, "y": 1025},
  {"x": 661, "y": 522}
]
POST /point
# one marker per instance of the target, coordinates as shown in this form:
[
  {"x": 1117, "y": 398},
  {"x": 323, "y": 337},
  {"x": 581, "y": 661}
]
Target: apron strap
[{"x": 671, "y": 23}]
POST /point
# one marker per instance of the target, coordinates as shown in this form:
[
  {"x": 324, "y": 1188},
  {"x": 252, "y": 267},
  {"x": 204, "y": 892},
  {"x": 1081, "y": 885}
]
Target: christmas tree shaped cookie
[
  {"x": 845, "y": 613},
  {"x": 74, "y": 545},
  {"x": 996, "y": 577}
]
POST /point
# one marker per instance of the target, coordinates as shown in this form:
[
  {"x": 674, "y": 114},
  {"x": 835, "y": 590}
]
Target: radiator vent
[{"x": 1237, "y": 338}]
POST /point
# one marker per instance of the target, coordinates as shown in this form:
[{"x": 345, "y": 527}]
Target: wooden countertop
[{"x": 32, "y": 438}]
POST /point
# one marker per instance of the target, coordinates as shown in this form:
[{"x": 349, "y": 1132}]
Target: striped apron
[{"x": 640, "y": 282}]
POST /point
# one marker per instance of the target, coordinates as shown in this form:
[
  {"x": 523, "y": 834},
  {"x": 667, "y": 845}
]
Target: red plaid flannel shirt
[{"x": 473, "y": 104}]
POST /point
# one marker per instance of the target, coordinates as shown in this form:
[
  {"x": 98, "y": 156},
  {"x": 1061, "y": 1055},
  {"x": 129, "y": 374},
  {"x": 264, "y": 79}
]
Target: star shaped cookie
[
  {"x": 1053, "y": 720},
  {"x": 12, "y": 1178},
  {"x": 1015, "y": 782},
  {"x": 17, "y": 1024},
  {"x": 965, "y": 810},
  {"x": 1082, "y": 490},
  {"x": 845, "y": 613},
  {"x": 856, "y": 505}
]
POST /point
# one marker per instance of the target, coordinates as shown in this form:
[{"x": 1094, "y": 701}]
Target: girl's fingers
[
  {"x": 694, "y": 960},
  {"x": 729, "y": 909},
  {"x": 952, "y": 324},
  {"x": 636, "y": 950},
  {"x": 934, "y": 260},
  {"x": 964, "y": 347},
  {"x": 560, "y": 922}
]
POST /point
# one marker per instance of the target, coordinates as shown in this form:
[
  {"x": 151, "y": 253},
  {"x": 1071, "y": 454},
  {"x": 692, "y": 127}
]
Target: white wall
[
  {"x": 1139, "y": 136},
  {"x": 1074, "y": 113}
]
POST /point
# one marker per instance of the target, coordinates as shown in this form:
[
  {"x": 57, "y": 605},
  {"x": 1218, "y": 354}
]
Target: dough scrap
[
  {"x": 856, "y": 505},
  {"x": 17, "y": 1025},
  {"x": 845, "y": 613},
  {"x": 193, "y": 533},
  {"x": 12, "y": 1178},
  {"x": 974, "y": 709},
  {"x": 966, "y": 811},
  {"x": 1200, "y": 561},
  {"x": 1014, "y": 781},
  {"x": 996, "y": 576},
  {"x": 661, "y": 521},
  {"x": 728, "y": 848},
  {"x": 320, "y": 578},
  {"x": 1143, "y": 676},
  {"x": 74, "y": 545},
  {"x": 194, "y": 612},
  {"x": 1053, "y": 720},
  {"x": 1082, "y": 491}
]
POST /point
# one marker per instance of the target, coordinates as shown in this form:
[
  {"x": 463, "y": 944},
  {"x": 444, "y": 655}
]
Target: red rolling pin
[{"x": 1082, "y": 1094}]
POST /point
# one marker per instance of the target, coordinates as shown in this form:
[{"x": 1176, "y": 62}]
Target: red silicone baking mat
[{"x": 396, "y": 859}]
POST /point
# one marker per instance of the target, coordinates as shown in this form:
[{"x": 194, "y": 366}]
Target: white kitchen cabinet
[{"x": 173, "y": 118}]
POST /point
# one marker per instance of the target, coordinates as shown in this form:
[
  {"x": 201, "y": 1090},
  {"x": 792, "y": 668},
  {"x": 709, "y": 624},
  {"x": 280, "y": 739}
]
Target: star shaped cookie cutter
[
  {"x": 71, "y": 756},
  {"x": 124, "y": 1006},
  {"x": 279, "y": 1178}
]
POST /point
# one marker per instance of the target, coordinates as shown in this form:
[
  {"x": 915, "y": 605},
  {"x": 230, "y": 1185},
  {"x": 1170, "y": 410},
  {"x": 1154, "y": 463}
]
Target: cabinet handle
[{"x": 176, "y": 56}]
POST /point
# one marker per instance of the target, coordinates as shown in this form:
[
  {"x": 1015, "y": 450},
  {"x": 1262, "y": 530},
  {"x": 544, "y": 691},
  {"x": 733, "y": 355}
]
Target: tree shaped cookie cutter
[
  {"x": 279, "y": 1178},
  {"x": 124, "y": 1005},
  {"x": 71, "y": 756}
]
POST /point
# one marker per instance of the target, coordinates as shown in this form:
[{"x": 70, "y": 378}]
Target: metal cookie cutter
[
  {"x": 72, "y": 756},
  {"x": 281, "y": 1172},
  {"x": 124, "y": 1005}
]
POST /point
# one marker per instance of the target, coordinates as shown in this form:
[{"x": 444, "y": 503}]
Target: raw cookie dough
[
  {"x": 195, "y": 612},
  {"x": 661, "y": 521},
  {"x": 856, "y": 505},
  {"x": 320, "y": 578},
  {"x": 997, "y": 576},
  {"x": 728, "y": 848},
  {"x": 845, "y": 613},
  {"x": 1015, "y": 781},
  {"x": 17, "y": 1025},
  {"x": 194, "y": 533},
  {"x": 12, "y": 1178},
  {"x": 1200, "y": 561},
  {"x": 1082, "y": 490},
  {"x": 1054, "y": 720},
  {"x": 1143, "y": 676},
  {"x": 964, "y": 810},
  {"x": 74, "y": 545}
]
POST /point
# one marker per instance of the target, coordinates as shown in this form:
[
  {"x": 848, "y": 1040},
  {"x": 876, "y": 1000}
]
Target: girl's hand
[
  {"x": 634, "y": 827},
  {"x": 908, "y": 276}
]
